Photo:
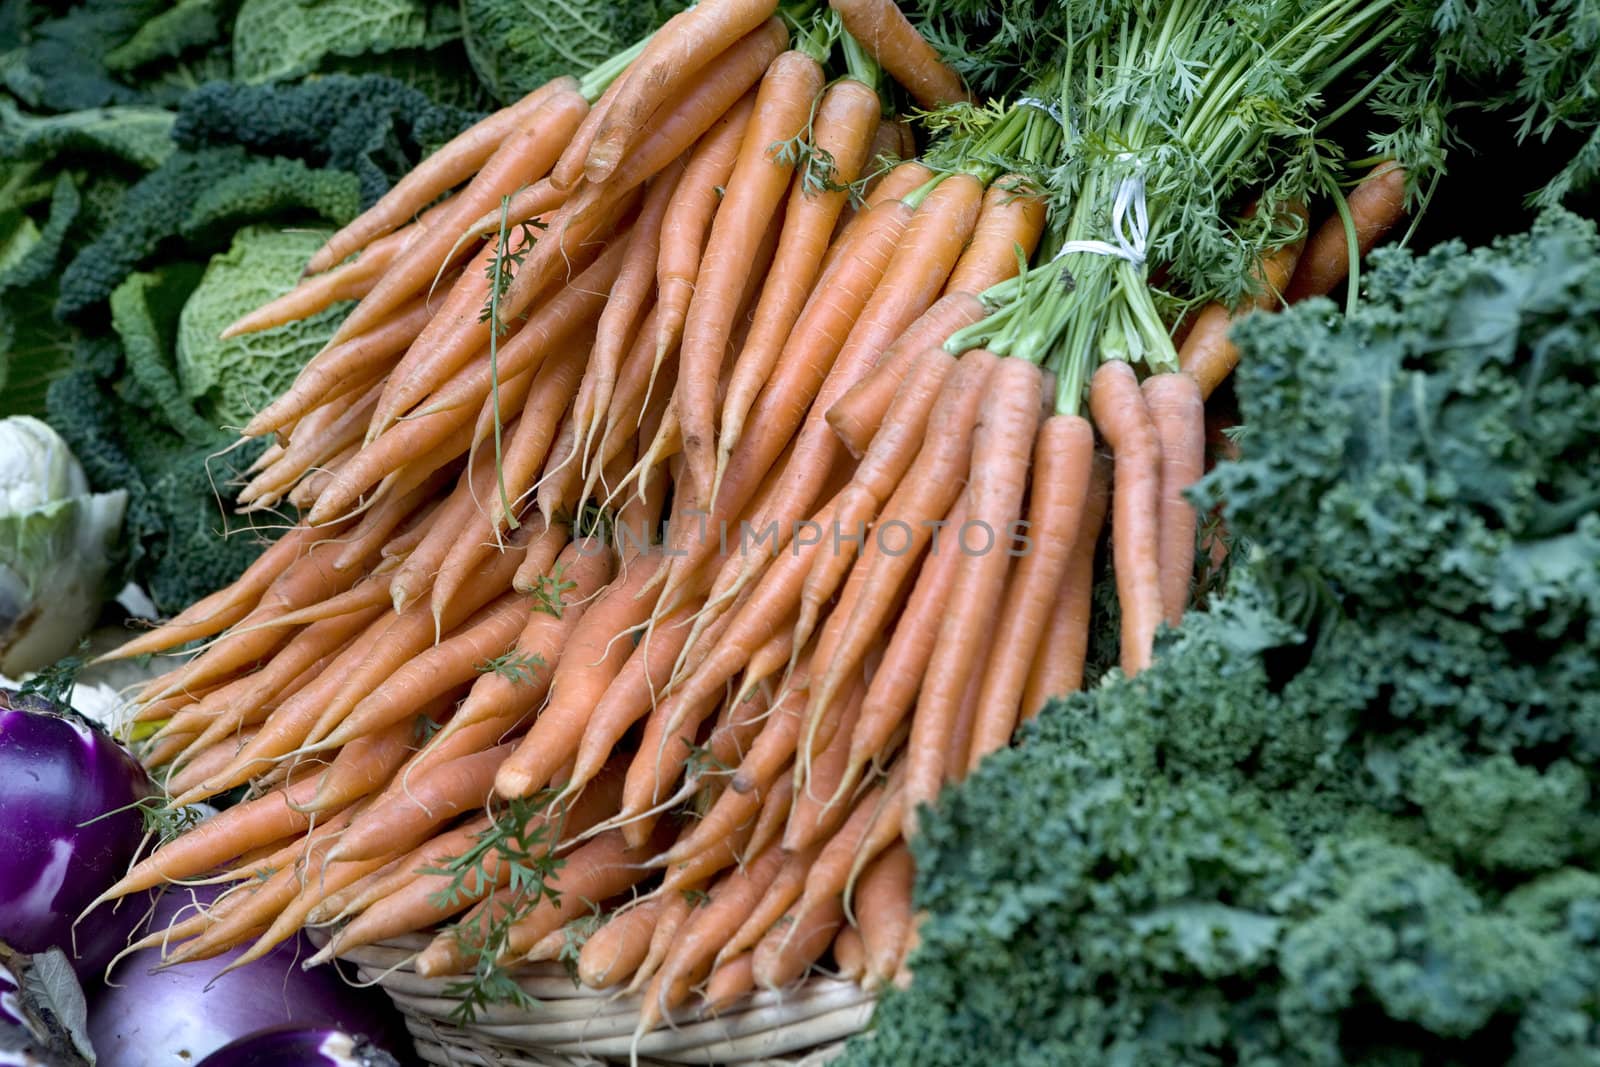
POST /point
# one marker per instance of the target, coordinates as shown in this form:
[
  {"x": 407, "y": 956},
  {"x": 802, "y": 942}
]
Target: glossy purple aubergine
[
  {"x": 295, "y": 1047},
  {"x": 178, "y": 1016},
  {"x": 67, "y": 832}
]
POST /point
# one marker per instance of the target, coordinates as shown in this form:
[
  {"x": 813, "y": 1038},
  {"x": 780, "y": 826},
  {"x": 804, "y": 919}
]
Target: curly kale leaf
[{"x": 374, "y": 127}]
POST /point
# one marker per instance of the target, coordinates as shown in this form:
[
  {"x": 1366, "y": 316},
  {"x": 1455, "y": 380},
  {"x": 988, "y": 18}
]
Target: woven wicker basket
[{"x": 577, "y": 1027}]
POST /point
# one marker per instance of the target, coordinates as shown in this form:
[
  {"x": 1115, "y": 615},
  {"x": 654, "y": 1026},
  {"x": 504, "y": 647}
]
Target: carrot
[
  {"x": 326, "y": 878},
  {"x": 421, "y": 895},
  {"x": 670, "y": 917},
  {"x": 1063, "y": 457},
  {"x": 407, "y": 497},
  {"x": 890, "y": 39},
  {"x": 1178, "y": 415},
  {"x": 1008, "y": 419},
  {"x": 1207, "y": 353},
  {"x": 769, "y": 822},
  {"x": 626, "y": 304},
  {"x": 857, "y": 415},
  {"x": 451, "y": 164},
  {"x": 309, "y": 579},
  {"x": 523, "y": 157},
  {"x": 674, "y": 55},
  {"x": 614, "y": 952},
  {"x": 1376, "y": 205},
  {"x": 809, "y": 352},
  {"x": 850, "y": 953},
  {"x": 449, "y": 664},
  {"x": 761, "y": 767},
  {"x": 599, "y": 648},
  {"x": 289, "y": 722},
  {"x": 909, "y": 285},
  {"x": 344, "y": 367},
  {"x": 927, "y": 492},
  {"x": 661, "y": 758},
  {"x": 338, "y": 425},
  {"x": 451, "y": 406},
  {"x": 552, "y": 390},
  {"x": 1008, "y": 230},
  {"x": 525, "y": 205},
  {"x": 1123, "y": 419},
  {"x": 218, "y": 839},
  {"x": 689, "y": 959},
  {"x": 628, "y": 696},
  {"x": 759, "y": 180},
  {"x": 731, "y": 849},
  {"x": 460, "y": 332},
  {"x": 416, "y": 572},
  {"x": 815, "y": 815},
  {"x": 841, "y": 132},
  {"x": 355, "y": 899},
  {"x": 221, "y": 609},
  {"x": 729, "y": 983},
  {"x": 1058, "y": 663},
  {"x": 430, "y": 800},
  {"x": 789, "y": 949},
  {"x": 348, "y": 281},
  {"x": 900, "y": 181},
  {"x": 688, "y": 220},
  {"x": 295, "y": 665},
  {"x": 883, "y": 911},
  {"x": 412, "y": 632},
  {"x": 212, "y": 758},
  {"x": 781, "y": 893}
]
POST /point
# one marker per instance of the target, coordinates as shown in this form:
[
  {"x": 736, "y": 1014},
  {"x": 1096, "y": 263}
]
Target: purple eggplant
[
  {"x": 291, "y": 1046},
  {"x": 69, "y": 831},
  {"x": 180, "y": 1015}
]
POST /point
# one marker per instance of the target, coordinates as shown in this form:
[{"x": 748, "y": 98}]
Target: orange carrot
[
  {"x": 627, "y": 304},
  {"x": 520, "y": 159},
  {"x": 1178, "y": 415},
  {"x": 789, "y": 949},
  {"x": 759, "y": 179},
  {"x": 451, "y": 164},
  {"x": 1123, "y": 419},
  {"x": 1008, "y": 419},
  {"x": 890, "y": 39},
  {"x": 670, "y": 917},
  {"x": 677, "y": 52},
  {"x": 341, "y": 368},
  {"x": 1058, "y": 663},
  {"x": 689, "y": 959},
  {"x": 729, "y": 983},
  {"x": 857, "y": 415},
  {"x": 850, "y": 953},
  {"x": 841, "y": 132},
  {"x": 418, "y": 897},
  {"x": 1376, "y": 205},
  {"x": 405, "y": 821},
  {"x": 926, "y": 493},
  {"x": 1008, "y": 230},
  {"x": 1207, "y": 353},
  {"x": 614, "y": 951},
  {"x": 883, "y": 910},
  {"x": 815, "y": 815},
  {"x": 218, "y": 839},
  {"x": 1063, "y": 457},
  {"x": 600, "y": 646},
  {"x": 451, "y": 663},
  {"x": 688, "y": 220}
]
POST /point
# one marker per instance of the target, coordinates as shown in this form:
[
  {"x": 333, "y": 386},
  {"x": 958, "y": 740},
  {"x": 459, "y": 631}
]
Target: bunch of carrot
[{"x": 655, "y": 555}]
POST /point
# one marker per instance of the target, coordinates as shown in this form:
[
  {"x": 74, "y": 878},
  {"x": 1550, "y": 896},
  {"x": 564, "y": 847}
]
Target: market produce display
[{"x": 959, "y": 497}]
